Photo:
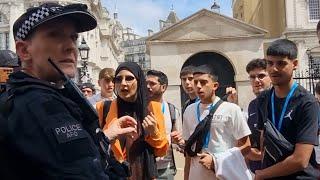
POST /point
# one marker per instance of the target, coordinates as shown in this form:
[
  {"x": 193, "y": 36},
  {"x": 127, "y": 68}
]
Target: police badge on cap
[{"x": 36, "y": 16}]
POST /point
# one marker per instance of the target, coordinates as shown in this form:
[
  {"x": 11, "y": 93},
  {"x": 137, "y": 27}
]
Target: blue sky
[{"x": 142, "y": 15}]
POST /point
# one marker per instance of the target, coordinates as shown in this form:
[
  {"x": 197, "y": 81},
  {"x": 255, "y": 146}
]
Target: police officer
[
  {"x": 8, "y": 63},
  {"x": 42, "y": 135}
]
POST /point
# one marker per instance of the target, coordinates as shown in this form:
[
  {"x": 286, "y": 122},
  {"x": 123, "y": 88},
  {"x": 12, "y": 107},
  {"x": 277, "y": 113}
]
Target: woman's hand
[{"x": 149, "y": 125}]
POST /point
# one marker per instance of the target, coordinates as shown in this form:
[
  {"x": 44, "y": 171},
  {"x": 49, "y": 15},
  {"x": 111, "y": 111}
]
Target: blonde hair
[{"x": 107, "y": 74}]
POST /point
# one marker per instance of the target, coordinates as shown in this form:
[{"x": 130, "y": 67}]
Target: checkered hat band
[{"x": 33, "y": 20}]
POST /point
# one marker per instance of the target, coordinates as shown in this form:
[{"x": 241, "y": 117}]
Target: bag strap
[
  {"x": 172, "y": 110},
  {"x": 105, "y": 110},
  {"x": 200, "y": 132}
]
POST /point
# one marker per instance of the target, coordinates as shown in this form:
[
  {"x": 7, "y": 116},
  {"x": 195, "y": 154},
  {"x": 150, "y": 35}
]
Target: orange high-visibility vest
[{"x": 159, "y": 142}]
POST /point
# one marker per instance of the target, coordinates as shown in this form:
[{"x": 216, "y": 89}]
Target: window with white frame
[
  {"x": 4, "y": 40},
  {"x": 314, "y": 9}
]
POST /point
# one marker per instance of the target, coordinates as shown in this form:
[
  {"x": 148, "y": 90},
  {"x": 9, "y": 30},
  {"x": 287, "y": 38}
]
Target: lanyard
[
  {"x": 198, "y": 118},
  {"x": 284, "y": 108},
  {"x": 163, "y": 108}
]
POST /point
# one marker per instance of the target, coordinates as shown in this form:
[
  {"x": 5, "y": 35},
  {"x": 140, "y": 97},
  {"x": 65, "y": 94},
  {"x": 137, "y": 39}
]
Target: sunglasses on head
[
  {"x": 128, "y": 79},
  {"x": 86, "y": 90},
  {"x": 259, "y": 76}
]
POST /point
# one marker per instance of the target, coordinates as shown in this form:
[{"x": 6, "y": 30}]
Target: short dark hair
[
  {"x": 256, "y": 64},
  {"x": 187, "y": 70},
  {"x": 318, "y": 87},
  {"x": 205, "y": 69},
  {"x": 318, "y": 26},
  {"x": 163, "y": 79},
  {"x": 87, "y": 85},
  {"x": 283, "y": 48}
]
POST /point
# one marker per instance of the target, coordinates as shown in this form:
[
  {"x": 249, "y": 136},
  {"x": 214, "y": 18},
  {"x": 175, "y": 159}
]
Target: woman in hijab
[{"x": 141, "y": 148}]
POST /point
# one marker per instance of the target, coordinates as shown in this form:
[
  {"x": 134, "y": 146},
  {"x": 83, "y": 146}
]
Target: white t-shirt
[
  {"x": 228, "y": 125},
  {"x": 166, "y": 162}
]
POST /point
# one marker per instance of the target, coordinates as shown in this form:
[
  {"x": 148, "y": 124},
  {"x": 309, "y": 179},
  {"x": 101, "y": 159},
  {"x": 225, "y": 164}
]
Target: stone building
[
  {"x": 292, "y": 19},
  {"x": 206, "y": 37},
  {"x": 228, "y": 44},
  {"x": 171, "y": 19},
  {"x": 135, "y": 51},
  {"x": 134, "y": 46},
  {"x": 103, "y": 41}
]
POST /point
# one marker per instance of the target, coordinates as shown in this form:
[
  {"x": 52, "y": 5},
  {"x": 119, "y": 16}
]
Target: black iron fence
[{"x": 309, "y": 77}]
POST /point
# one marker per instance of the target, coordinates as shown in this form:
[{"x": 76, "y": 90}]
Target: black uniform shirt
[{"x": 44, "y": 136}]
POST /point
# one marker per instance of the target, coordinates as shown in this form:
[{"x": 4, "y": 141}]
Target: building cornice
[
  {"x": 303, "y": 33},
  {"x": 205, "y": 12},
  {"x": 225, "y": 38}
]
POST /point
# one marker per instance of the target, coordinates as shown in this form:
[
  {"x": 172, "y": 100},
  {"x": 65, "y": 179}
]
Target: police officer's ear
[{"x": 22, "y": 50}]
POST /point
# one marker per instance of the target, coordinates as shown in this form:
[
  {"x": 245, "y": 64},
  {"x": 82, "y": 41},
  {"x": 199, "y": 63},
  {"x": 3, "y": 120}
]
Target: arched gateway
[
  {"x": 219, "y": 63},
  {"x": 206, "y": 37}
]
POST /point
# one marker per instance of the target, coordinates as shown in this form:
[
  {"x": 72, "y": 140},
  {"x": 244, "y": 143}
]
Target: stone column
[{"x": 16, "y": 8}]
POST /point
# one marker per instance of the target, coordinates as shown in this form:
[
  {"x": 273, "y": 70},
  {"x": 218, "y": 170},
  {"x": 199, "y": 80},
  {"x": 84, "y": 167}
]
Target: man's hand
[
  {"x": 149, "y": 125},
  {"x": 176, "y": 138},
  {"x": 206, "y": 160},
  {"x": 258, "y": 175},
  {"x": 232, "y": 95},
  {"x": 123, "y": 125}
]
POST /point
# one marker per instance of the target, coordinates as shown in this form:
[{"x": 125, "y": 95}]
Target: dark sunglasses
[
  {"x": 128, "y": 79},
  {"x": 259, "y": 76}
]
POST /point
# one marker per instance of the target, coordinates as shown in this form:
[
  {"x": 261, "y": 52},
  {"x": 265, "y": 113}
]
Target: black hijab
[
  {"x": 141, "y": 103},
  {"x": 141, "y": 154}
]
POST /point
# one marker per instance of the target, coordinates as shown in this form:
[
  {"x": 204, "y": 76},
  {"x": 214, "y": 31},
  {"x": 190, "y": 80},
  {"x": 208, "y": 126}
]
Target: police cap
[{"x": 36, "y": 16}]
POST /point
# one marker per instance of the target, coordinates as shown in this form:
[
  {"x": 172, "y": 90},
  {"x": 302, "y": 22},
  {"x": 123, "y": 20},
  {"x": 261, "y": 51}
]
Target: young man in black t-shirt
[
  {"x": 293, "y": 111},
  {"x": 186, "y": 76},
  {"x": 260, "y": 81}
]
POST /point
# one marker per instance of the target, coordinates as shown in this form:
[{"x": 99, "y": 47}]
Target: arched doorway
[{"x": 222, "y": 66}]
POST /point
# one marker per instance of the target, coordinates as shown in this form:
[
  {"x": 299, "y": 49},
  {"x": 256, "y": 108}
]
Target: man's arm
[
  {"x": 177, "y": 125},
  {"x": 256, "y": 154},
  {"x": 187, "y": 162},
  {"x": 292, "y": 164},
  {"x": 244, "y": 145}
]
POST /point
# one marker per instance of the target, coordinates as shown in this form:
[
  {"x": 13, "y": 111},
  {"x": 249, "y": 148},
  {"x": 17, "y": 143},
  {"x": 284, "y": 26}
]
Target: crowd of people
[{"x": 44, "y": 133}]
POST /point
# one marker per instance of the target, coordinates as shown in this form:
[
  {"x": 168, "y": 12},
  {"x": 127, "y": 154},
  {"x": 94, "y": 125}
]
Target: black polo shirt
[{"x": 300, "y": 123}]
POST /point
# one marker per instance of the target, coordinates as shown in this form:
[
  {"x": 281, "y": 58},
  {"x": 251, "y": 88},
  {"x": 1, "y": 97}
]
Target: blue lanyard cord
[
  {"x": 163, "y": 107},
  {"x": 284, "y": 108},
  {"x": 198, "y": 118},
  {"x": 198, "y": 110}
]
